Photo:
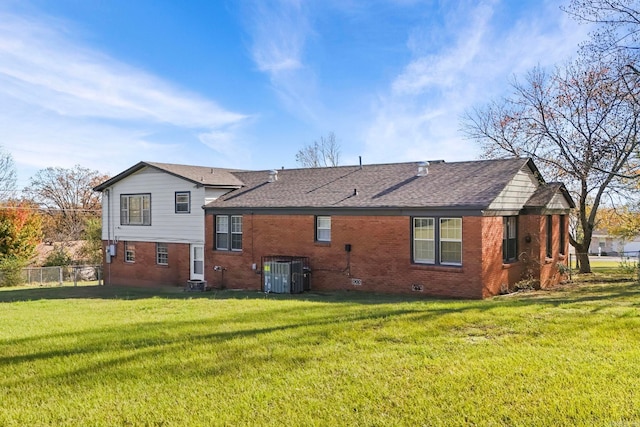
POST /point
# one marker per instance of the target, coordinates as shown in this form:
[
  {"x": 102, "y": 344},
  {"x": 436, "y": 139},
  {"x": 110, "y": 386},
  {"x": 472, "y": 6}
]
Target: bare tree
[
  {"x": 323, "y": 153},
  {"x": 618, "y": 24},
  {"x": 67, "y": 197},
  {"x": 7, "y": 176},
  {"x": 580, "y": 124}
]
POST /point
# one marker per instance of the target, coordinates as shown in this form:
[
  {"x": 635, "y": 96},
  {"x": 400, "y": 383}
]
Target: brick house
[
  {"x": 463, "y": 229},
  {"x": 153, "y": 223}
]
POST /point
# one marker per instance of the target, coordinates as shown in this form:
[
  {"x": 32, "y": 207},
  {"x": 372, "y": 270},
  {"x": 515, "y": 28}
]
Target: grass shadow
[{"x": 584, "y": 288}]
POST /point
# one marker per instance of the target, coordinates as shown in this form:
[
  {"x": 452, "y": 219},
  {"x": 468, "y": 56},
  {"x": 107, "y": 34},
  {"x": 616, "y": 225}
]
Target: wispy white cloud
[
  {"x": 225, "y": 142},
  {"x": 63, "y": 102},
  {"x": 418, "y": 116},
  {"x": 280, "y": 31}
]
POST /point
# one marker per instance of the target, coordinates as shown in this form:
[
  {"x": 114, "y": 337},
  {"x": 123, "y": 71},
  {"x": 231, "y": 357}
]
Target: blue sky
[{"x": 246, "y": 84}]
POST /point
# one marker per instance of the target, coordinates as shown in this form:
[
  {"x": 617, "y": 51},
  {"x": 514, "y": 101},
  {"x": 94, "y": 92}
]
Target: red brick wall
[
  {"x": 536, "y": 263},
  {"x": 380, "y": 255},
  {"x": 496, "y": 276},
  {"x": 144, "y": 271},
  {"x": 550, "y": 274}
]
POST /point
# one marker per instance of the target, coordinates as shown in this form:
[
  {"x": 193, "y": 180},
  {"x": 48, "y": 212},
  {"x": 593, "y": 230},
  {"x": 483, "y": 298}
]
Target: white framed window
[
  {"x": 135, "y": 209},
  {"x": 424, "y": 249},
  {"x": 222, "y": 232},
  {"x": 162, "y": 254},
  {"x": 323, "y": 228},
  {"x": 228, "y": 232},
  {"x": 451, "y": 241},
  {"x": 129, "y": 252},
  {"x": 183, "y": 201},
  {"x": 509, "y": 238},
  {"x": 236, "y": 232},
  {"x": 446, "y": 237}
]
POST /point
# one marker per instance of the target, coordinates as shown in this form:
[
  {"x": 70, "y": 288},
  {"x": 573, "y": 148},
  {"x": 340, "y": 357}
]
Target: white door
[{"x": 197, "y": 262}]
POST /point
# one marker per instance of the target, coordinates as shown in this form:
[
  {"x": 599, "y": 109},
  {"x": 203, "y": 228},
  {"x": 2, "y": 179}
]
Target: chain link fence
[
  {"x": 624, "y": 262},
  {"x": 57, "y": 276}
]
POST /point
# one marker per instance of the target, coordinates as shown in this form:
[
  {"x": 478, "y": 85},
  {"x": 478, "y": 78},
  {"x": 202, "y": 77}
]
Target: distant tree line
[{"x": 59, "y": 205}]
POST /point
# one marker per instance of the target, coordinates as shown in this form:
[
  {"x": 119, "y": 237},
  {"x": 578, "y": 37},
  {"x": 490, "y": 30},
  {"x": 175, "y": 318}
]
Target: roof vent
[
  {"x": 423, "y": 169},
  {"x": 273, "y": 175}
]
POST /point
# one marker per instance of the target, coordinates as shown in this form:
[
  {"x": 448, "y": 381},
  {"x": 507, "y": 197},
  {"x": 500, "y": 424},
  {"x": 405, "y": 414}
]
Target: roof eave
[
  {"x": 140, "y": 165},
  {"x": 108, "y": 183}
]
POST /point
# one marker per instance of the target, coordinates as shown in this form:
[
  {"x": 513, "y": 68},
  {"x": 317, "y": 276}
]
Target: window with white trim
[
  {"x": 183, "y": 201},
  {"x": 135, "y": 209},
  {"x": 323, "y": 228},
  {"x": 236, "y": 232},
  {"x": 129, "y": 252},
  {"x": 162, "y": 254},
  {"x": 509, "y": 238},
  {"x": 451, "y": 241},
  {"x": 424, "y": 249},
  {"x": 222, "y": 232},
  {"x": 229, "y": 232},
  {"x": 447, "y": 237}
]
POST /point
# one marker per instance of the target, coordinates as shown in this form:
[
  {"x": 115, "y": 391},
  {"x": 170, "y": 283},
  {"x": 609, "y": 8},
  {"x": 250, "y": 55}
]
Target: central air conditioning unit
[{"x": 285, "y": 274}]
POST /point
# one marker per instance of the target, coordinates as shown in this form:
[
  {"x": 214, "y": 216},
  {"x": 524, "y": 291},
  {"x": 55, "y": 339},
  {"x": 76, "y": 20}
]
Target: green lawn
[{"x": 101, "y": 355}]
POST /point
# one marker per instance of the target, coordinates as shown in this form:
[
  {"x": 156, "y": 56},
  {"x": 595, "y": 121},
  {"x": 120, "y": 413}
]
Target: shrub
[
  {"x": 627, "y": 265},
  {"x": 57, "y": 257},
  {"x": 11, "y": 271},
  {"x": 563, "y": 269}
]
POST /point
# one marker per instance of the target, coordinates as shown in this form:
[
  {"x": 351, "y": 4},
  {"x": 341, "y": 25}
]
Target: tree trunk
[{"x": 582, "y": 255}]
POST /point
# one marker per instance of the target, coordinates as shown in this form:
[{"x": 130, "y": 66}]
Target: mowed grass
[{"x": 105, "y": 356}]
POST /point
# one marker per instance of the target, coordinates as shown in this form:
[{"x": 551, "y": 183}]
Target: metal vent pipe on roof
[
  {"x": 423, "y": 169},
  {"x": 273, "y": 175}
]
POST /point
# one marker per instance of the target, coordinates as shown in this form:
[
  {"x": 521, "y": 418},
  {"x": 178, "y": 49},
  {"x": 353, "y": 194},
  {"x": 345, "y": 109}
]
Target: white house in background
[
  {"x": 604, "y": 243},
  {"x": 153, "y": 222}
]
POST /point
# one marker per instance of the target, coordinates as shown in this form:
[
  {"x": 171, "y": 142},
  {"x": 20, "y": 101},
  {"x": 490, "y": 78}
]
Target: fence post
[
  {"x": 570, "y": 269},
  {"x": 60, "y": 275}
]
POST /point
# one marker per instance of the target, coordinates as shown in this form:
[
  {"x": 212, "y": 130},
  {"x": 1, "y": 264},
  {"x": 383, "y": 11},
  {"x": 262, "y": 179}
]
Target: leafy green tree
[
  {"x": 91, "y": 250},
  {"x": 623, "y": 222},
  {"x": 20, "y": 232}
]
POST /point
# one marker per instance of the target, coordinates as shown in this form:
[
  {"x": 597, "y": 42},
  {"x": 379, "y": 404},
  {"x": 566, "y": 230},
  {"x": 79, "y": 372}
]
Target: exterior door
[{"x": 197, "y": 262}]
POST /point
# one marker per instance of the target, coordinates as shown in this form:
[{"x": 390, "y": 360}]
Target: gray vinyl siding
[
  {"x": 517, "y": 192},
  {"x": 166, "y": 225},
  {"x": 211, "y": 194},
  {"x": 558, "y": 202}
]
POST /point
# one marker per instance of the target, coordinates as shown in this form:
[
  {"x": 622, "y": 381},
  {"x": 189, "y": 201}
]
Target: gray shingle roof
[
  {"x": 545, "y": 193},
  {"x": 473, "y": 184},
  {"x": 202, "y": 175}
]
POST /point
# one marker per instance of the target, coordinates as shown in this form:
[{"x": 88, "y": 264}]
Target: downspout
[{"x": 107, "y": 192}]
